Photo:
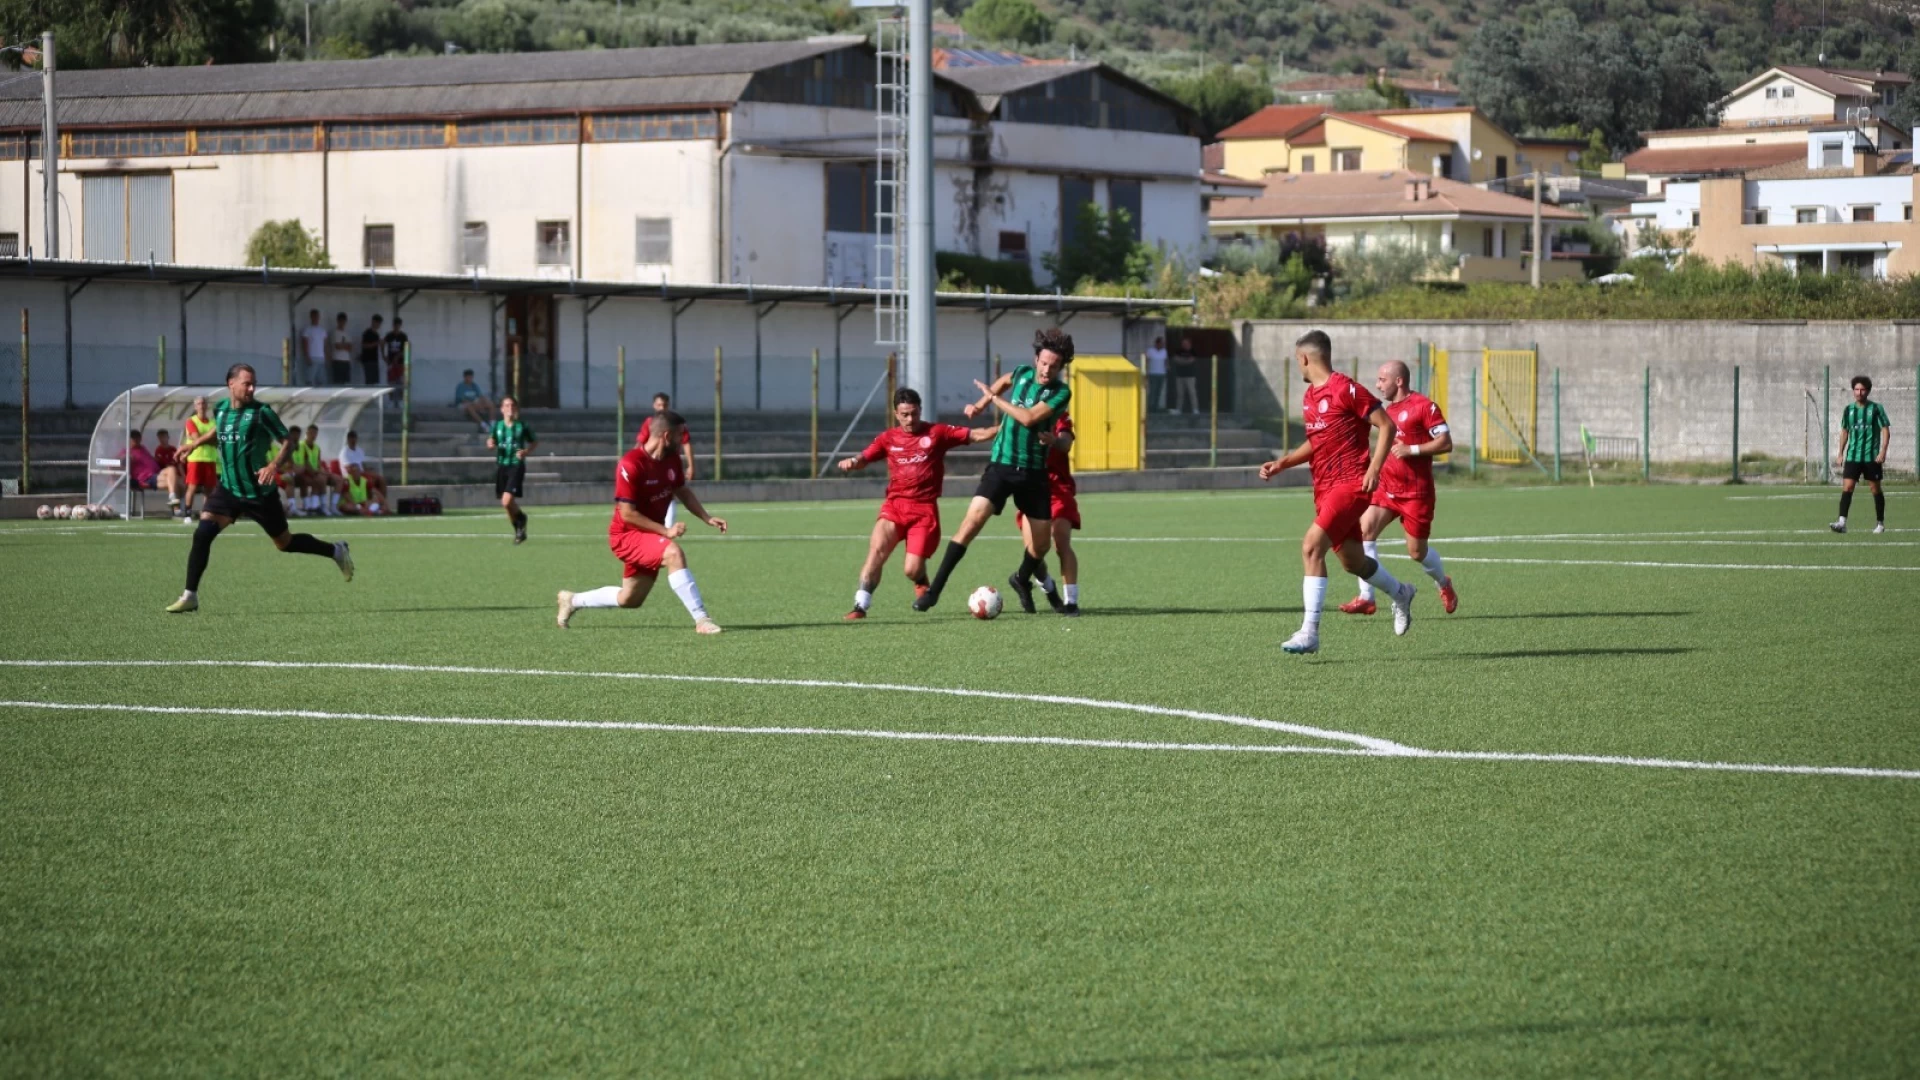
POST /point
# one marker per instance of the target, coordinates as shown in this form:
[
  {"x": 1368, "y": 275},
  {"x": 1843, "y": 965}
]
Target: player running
[
  {"x": 661, "y": 403},
  {"x": 645, "y": 482},
  {"x": 244, "y": 428},
  {"x": 1066, "y": 518},
  {"x": 1338, "y": 412},
  {"x": 916, "y": 454},
  {"x": 511, "y": 440},
  {"x": 1864, "y": 455},
  {"x": 1028, "y": 401},
  {"x": 1406, "y": 483}
]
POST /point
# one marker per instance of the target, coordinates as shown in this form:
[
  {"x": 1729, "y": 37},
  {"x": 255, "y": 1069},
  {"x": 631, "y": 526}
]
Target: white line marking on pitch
[
  {"x": 1402, "y": 752},
  {"x": 1365, "y": 741},
  {"x": 1655, "y": 565}
]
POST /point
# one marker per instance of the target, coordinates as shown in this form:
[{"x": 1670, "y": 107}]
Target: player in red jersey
[
  {"x": 1338, "y": 414},
  {"x": 645, "y": 483},
  {"x": 1062, "y": 494},
  {"x": 1406, "y": 483},
  {"x": 916, "y": 454},
  {"x": 661, "y": 403}
]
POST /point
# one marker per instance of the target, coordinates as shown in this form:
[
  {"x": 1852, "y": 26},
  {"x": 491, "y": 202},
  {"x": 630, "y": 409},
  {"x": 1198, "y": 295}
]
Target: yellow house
[
  {"x": 1482, "y": 149},
  {"x": 1259, "y": 144},
  {"x": 1452, "y": 143},
  {"x": 1359, "y": 142}
]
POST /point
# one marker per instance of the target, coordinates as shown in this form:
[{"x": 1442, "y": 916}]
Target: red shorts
[
  {"x": 1065, "y": 508},
  {"x": 641, "y": 551},
  {"x": 202, "y": 474},
  {"x": 1416, "y": 515},
  {"x": 1337, "y": 511},
  {"x": 918, "y": 521}
]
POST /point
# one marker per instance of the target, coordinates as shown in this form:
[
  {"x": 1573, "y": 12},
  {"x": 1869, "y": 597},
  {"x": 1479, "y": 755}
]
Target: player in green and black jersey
[
  {"x": 511, "y": 440},
  {"x": 249, "y": 483},
  {"x": 1863, "y": 453},
  {"x": 1028, "y": 400}
]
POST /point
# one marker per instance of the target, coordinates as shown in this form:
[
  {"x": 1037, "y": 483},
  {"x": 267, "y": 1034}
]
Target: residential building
[
  {"x": 1423, "y": 91},
  {"x": 1457, "y": 143},
  {"x": 716, "y": 163},
  {"x": 1485, "y": 235}
]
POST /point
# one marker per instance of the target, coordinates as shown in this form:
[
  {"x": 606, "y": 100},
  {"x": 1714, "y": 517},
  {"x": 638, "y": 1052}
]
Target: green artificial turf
[{"x": 193, "y": 893}]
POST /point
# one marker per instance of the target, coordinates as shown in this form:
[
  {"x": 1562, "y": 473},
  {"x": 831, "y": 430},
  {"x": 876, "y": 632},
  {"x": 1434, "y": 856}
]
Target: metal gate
[{"x": 1510, "y": 395}]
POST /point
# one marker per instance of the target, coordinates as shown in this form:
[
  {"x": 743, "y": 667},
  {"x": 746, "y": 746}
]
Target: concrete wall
[
  {"x": 116, "y": 327},
  {"x": 1601, "y": 367}
]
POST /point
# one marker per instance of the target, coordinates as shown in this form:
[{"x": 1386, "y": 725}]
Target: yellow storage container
[{"x": 1109, "y": 414}]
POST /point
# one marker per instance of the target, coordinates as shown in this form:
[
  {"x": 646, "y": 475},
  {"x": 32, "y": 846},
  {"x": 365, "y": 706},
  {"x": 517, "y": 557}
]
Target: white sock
[
  {"x": 373, "y": 508},
  {"x": 688, "y": 592},
  {"x": 1384, "y": 581},
  {"x": 1070, "y": 593},
  {"x": 190, "y": 594},
  {"x": 863, "y": 598},
  {"x": 1313, "y": 593},
  {"x": 1843, "y": 519},
  {"x": 333, "y": 500},
  {"x": 1432, "y": 562},
  {"x": 313, "y": 502},
  {"x": 1372, "y": 548},
  {"x": 672, "y": 511},
  {"x": 605, "y": 596}
]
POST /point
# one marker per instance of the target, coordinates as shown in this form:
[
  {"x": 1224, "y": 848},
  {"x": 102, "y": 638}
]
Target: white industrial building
[{"x": 701, "y": 164}]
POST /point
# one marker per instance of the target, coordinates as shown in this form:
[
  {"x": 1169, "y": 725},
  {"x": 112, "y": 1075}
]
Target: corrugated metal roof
[
  {"x": 1012, "y": 78},
  {"x": 519, "y": 82}
]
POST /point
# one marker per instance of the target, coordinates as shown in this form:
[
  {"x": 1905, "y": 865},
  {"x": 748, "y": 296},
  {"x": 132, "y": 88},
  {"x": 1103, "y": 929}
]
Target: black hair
[
  {"x": 1318, "y": 343},
  {"x": 671, "y": 421},
  {"x": 907, "y": 395},
  {"x": 662, "y": 395},
  {"x": 161, "y": 434},
  {"x": 234, "y": 371},
  {"x": 466, "y": 373},
  {"x": 135, "y": 433},
  {"x": 1862, "y": 380},
  {"x": 1054, "y": 340}
]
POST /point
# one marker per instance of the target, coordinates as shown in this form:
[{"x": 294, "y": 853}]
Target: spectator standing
[
  {"x": 396, "y": 345},
  {"x": 340, "y": 352},
  {"x": 1186, "y": 371},
  {"x": 313, "y": 348},
  {"x": 1157, "y": 375},
  {"x": 370, "y": 348},
  {"x": 203, "y": 468},
  {"x": 468, "y": 398}
]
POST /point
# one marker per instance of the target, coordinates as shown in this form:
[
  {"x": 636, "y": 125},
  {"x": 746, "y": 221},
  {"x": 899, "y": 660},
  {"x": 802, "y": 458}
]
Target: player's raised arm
[
  {"x": 692, "y": 502},
  {"x": 999, "y": 386}
]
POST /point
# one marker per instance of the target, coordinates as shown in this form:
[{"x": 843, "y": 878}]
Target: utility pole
[
  {"x": 49, "y": 148},
  {"x": 1539, "y": 246},
  {"x": 920, "y": 276}
]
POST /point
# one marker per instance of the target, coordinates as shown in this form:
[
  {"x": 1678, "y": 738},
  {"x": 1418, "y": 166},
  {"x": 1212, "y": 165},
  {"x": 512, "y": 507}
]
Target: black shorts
[
  {"x": 508, "y": 479},
  {"x": 265, "y": 511},
  {"x": 1026, "y": 487},
  {"x": 1861, "y": 470}
]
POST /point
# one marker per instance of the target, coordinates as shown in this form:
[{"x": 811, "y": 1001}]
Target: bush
[
  {"x": 1008, "y": 20},
  {"x": 287, "y": 245},
  {"x": 1105, "y": 251},
  {"x": 960, "y": 272},
  {"x": 1390, "y": 264}
]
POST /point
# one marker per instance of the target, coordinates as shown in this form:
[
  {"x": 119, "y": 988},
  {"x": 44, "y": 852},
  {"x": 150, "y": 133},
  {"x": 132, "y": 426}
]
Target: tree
[
  {"x": 1103, "y": 250},
  {"x": 1223, "y": 96},
  {"x": 139, "y": 33},
  {"x": 1008, "y": 20},
  {"x": 287, "y": 245}
]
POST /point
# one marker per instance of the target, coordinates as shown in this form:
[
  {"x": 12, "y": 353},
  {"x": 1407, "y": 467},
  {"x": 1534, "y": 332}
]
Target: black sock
[
  {"x": 519, "y": 520},
  {"x": 202, "y": 547},
  {"x": 954, "y": 553},
  {"x": 1846, "y": 501},
  {"x": 309, "y": 544},
  {"x": 1880, "y": 507},
  {"x": 920, "y": 580}
]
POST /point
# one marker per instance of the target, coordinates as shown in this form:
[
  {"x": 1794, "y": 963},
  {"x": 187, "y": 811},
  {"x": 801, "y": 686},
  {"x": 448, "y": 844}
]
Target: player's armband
[{"x": 1437, "y": 429}]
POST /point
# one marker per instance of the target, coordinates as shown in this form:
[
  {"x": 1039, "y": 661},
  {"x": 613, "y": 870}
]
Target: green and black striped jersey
[
  {"x": 1017, "y": 445},
  {"x": 1863, "y": 425},
  {"x": 245, "y": 433},
  {"x": 510, "y": 439}
]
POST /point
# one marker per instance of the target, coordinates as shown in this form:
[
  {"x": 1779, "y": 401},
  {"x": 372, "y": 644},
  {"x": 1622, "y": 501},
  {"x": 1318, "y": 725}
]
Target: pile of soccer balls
[{"x": 83, "y": 512}]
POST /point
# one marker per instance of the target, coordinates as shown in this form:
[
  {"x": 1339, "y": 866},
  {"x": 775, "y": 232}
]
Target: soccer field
[{"x": 1647, "y": 805}]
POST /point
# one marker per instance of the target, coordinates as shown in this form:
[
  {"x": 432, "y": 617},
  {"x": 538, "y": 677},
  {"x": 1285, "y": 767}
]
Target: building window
[
  {"x": 1306, "y": 163},
  {"x": 473, "y": 245},
  {"x": 1499, "y": 168},
  {"x": 1125, "y": 195},
  {"x": 1830, "y": 155},
  {"x": 379, "y": 245},
  {"x": 281, "y": 139},
  {"x": 854, "y": 198},
  {"x": 1760, "y": 215},
  {"x": 1786, "y": 91},
  {"x": 1859, "y": 263},
  {"x": 1863, "y": 213},
  {"x": 120, "y": 144},
  {"x": 1075, "y": 192},
  {"x": 1013, "y": 246},
  {"x": 386, "y": 136},
  {"x": 653, "y": 240},
  {"x": 553, "y": 243},
  {"x": 9, "y": 245},
  {"x": 1694, "y": 219},
  {"x": 127, "y": 217},
  {"x": 1773, "y": 91},
  {"x": 1886, "y": 97},
  {"x": 1806, "y": 215},
  {"x": 1346, "y": 161},
  {"x": 18, "y": 147},
  {"x": 653, "y": 127},
  {"x": 1486, "y": 242},
  {"x": 519, "y": 131},
  {"x": 1906, "y": 212}
]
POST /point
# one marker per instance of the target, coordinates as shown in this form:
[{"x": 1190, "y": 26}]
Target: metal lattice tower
[{"x": 889, "y": 183}]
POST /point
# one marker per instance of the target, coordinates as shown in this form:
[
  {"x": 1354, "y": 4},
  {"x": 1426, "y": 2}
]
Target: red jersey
[
  {"x": 917, "y": 459},
  {"x": 1336, "y": 414},
  {"x": 1416, "y": 419},
  {"x": 645, "y": 484},
  {"x": 1060, "y": 461},
  {"x": 646, "y": 429},
  {"x": 163, "y": 456}
]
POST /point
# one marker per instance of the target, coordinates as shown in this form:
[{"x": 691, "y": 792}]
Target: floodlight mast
[
  {"x": 920, "y": 277},
  {"x": 904, "y": 277}
]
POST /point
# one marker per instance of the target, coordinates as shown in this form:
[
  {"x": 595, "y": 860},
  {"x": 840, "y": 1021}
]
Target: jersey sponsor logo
[
  {"x": 901, "y": 458},
  {"x": 926, "y": 442},
  {"x": 1323, "y": 404}
]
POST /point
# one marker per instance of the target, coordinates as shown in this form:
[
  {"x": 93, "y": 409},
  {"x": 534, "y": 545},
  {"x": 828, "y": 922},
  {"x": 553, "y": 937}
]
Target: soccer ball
[
  {"x": 63, "y": 511},
  {"x": 985, "y": 602},
  {"x": 79, "y": 513},
  {"x": 44, "y": 512}
]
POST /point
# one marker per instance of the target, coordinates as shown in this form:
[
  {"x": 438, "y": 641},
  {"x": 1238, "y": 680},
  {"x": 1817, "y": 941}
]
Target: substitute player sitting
[
  {"x": 645, "y": 482},
  {"x": 359, "y": 496},
  {"x": 916, "y": 454},
  {"x": 1406, "y": 483},
  {"x": 1339, "y": 414}
]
